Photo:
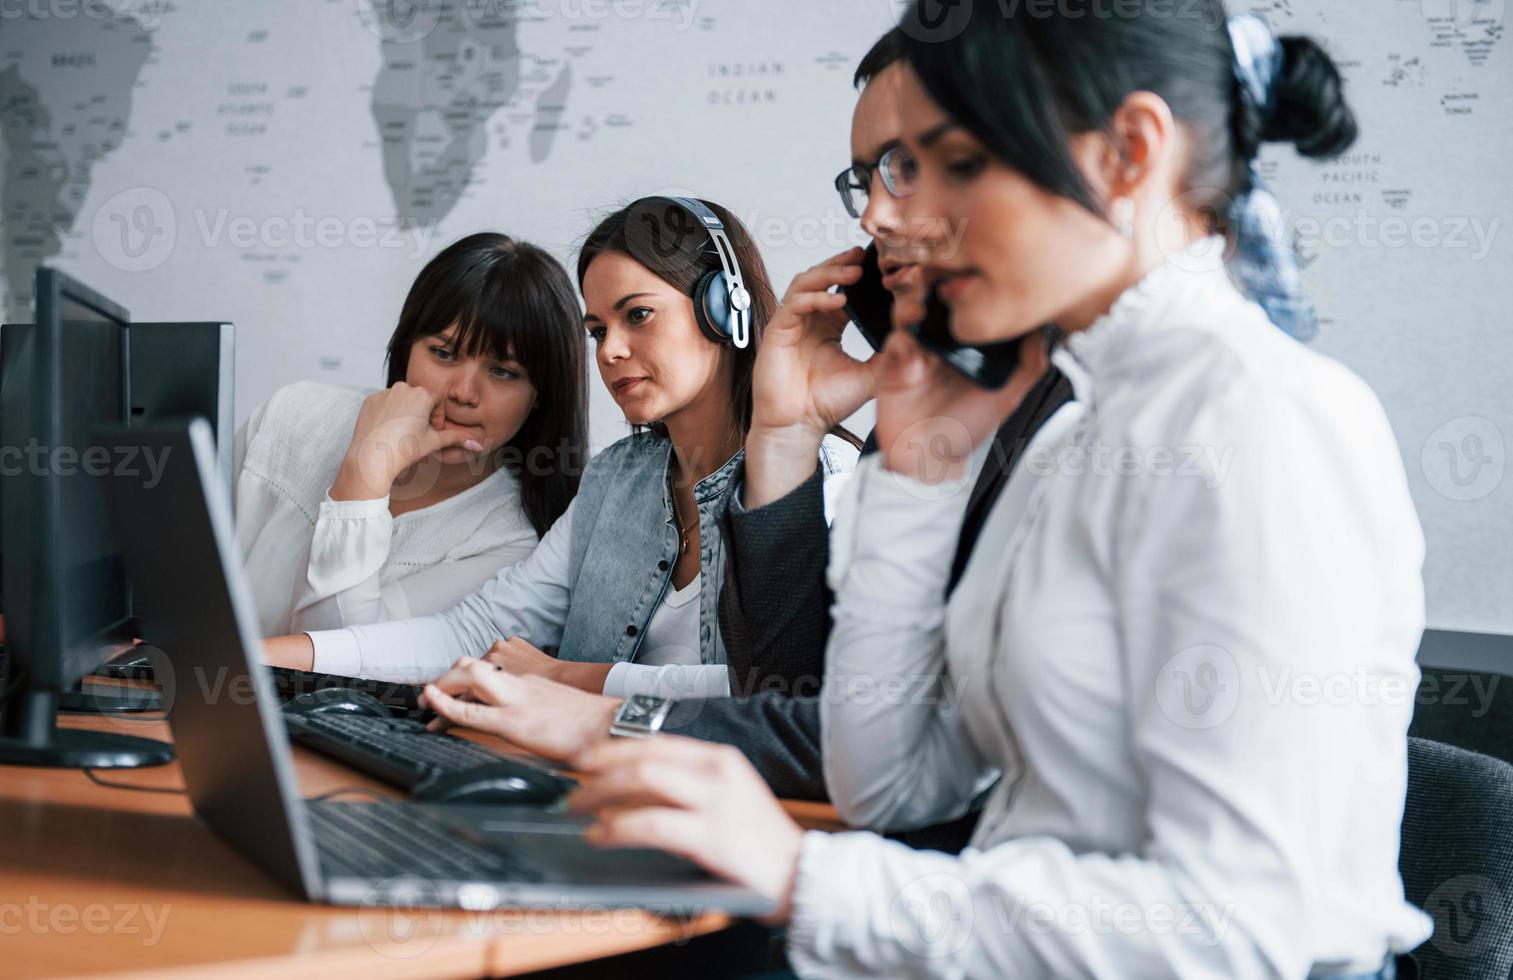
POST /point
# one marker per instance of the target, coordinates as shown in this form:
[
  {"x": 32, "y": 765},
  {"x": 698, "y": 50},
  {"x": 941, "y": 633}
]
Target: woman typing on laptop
[
  {"x": 1119, "y": 631},
  {"x": 358, "y": 509},
  {"x": 626, "y": 583}
]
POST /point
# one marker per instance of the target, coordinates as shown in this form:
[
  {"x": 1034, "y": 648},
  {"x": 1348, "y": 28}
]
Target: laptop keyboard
[{"x": 385, "y": 840}]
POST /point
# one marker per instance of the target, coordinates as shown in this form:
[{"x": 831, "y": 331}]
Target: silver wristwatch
[{"x": 641, "y": 716}]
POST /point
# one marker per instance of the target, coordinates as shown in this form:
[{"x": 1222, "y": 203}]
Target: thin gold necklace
[{"x": 677, "y": 517}]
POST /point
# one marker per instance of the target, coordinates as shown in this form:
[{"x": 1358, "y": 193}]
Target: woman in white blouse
[
  {"x": 1184, "y": 645},
  {"x": 354, "y": 508}
]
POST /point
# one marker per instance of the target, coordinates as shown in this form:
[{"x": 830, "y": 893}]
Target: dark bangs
[{"x": 511, "y": 301}]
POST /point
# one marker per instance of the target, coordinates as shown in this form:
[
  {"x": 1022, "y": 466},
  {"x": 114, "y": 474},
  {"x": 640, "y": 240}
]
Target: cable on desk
[
  {"x": 363, "y": 790},
  {"x": 180, "y": 791}
]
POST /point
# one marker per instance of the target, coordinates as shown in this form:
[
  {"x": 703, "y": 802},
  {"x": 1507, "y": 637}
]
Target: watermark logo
[
  {"x": 932, "y": 915},
  {"x": 147, "y": 13},
  {"x": 1467, "y": 910},
  {"x": 138, "y": 229},
  {"x": 1199, "y": 688},
  {"x": 135, "y": 230},
  {"x": 1189, "y": 217},
  {"x": 1464, "y": 459},
  {"x": 399, "y": 21},
  {"x": 399, "y": 918},
  {"x": 929, "y": 452},
  {"x": 36, "y": 917},
  {"x": 935, "y": 20}
]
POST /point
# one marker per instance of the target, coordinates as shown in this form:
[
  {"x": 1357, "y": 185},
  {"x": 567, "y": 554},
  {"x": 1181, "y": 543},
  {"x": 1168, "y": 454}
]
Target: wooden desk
[{"x": 98, "y": 880}]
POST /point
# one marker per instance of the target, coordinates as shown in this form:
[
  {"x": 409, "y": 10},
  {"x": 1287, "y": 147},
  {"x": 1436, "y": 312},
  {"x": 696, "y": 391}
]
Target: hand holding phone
[
  {"x": 870, "y": 307},
  {"x": 803, "y": 380},
  {"x": 802, "y": 384}
]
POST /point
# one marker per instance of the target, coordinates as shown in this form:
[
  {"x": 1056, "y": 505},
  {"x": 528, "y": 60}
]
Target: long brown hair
[
  {"x": 659, "y": 235},
  {"x": 512, "y": 301},
  {"x": 653, "y": 233}
]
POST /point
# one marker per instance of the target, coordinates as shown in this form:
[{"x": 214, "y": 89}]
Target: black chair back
[{"x": 1456, "y": 859}]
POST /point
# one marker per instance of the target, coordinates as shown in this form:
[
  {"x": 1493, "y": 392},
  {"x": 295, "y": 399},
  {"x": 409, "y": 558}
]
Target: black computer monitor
[
  {"x": 178, "y": 371},
  {"x": 6, "y": 463},
  {"x": 67, "y": 605},
  {"x": 183, "y": 371}
]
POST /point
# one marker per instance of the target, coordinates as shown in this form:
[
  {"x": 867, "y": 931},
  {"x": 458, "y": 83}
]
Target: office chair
[
  {"x": 1456, "y": 859},
  {"x": 1466, "y": 708}
]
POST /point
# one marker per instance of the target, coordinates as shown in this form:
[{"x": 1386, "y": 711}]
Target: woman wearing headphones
[
  {"x": 1220, "y": 514},
  {"x": 626, "y": 583}
]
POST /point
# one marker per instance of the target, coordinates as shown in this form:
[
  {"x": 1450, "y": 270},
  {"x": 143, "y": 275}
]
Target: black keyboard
[
  {"x": 386, "y": 840},
  {"x": 402, "y": 699},
  {"x": 397, "y": 750}
]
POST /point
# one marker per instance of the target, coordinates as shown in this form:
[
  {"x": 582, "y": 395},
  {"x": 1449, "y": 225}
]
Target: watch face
[{"x": 638, "y": 709}]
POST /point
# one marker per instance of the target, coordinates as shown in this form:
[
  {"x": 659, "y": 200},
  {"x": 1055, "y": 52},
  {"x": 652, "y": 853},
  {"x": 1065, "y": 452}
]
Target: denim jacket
[{"x": 624, "y": 546}]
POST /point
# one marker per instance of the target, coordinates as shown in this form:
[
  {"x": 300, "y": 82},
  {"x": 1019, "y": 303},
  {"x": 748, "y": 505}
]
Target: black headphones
[{"x": 721, "y": 304}]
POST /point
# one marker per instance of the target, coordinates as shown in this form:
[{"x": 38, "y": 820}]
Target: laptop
[{"x": 176, "y": 534}]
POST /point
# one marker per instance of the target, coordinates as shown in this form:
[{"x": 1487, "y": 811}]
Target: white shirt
[
  {"x": 315, "y": 563},
  {"x": 667, "y": 662},
  {"x": 1185, "y": 640}
]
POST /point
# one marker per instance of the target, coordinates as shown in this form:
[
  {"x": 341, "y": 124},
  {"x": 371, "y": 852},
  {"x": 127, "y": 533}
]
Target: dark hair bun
[{"x": 1309, "y": 108}]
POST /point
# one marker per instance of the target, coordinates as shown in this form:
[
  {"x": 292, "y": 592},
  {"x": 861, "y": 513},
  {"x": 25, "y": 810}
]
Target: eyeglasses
[{"x": 898, "y": 169}]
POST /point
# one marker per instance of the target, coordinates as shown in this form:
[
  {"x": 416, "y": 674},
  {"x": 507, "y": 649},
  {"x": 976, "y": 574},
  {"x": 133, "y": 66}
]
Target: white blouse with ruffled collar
[{"x": 1185, "y": 641}]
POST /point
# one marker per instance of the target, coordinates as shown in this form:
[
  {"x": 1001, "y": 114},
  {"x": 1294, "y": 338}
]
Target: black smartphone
[
  {"x": 868, "y": 304},
  {"x": 985, "y": 365},
  {"x": 870, "y": 307}
]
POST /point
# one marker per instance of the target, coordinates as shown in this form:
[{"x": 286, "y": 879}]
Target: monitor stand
[
  {"x": 30, "y": 736},
  {"x": 108, "y": 699}
]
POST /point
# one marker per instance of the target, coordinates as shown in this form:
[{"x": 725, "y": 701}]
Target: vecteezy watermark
[
  {"x": 1202, "y": 686},
  {"x": 406, "y": 21},
  {"x": 404, "y": 917},
  {"x": 147, "y": 13},
  {"x": 1467, "y": 911},
  {"x": 300, "y": 229},
  {"x": 135, "y": 230},
  {"x": 1464, "y": 459},
  {"x": 1199, "y": 687},
  {"x": 1207, "y": 463},
  {"x": 944, "y": 20},
  {"x": 138, "y": 229},
  {"x": 37, "y": 917},
  {"x": 399, "y": 917},
  {"x": 35, "y": 459},
  {"x": 1195, "y": 212},
  {"x": 936, "y": 915},
  {"x": 830, "y": 229}
]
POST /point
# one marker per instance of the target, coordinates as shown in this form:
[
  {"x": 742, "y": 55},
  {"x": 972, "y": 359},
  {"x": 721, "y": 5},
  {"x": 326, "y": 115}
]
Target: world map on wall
[
  {"x": 453, "y": 74},
  {"x": 70, "y": 74},
  {"x": 287, "y": 166}
]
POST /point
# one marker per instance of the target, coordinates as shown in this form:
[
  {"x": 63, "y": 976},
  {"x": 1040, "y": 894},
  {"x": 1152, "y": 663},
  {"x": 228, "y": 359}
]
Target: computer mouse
[
  {"x": 134, "y": 664},
  {"x": 337, "y": 700},
  {"x": 495, "y": 782}
]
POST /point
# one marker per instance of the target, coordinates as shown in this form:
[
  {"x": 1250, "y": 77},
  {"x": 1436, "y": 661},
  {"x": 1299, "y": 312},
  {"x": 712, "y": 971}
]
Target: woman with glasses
[
  {"x": 1225, "y": 511},
  {"x": 896, "y": 168}
]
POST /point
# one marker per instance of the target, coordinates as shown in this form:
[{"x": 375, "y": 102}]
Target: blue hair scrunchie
[{"x": 1264, "y": 260}]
